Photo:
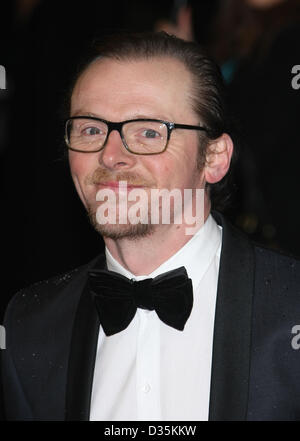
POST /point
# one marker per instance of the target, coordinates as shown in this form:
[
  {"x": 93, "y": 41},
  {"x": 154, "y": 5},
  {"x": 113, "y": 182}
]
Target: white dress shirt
[{"x": 151, "y": 371}]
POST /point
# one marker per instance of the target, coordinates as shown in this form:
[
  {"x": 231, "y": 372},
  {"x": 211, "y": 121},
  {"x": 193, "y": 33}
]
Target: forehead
[{"x": 158, "y": 87}]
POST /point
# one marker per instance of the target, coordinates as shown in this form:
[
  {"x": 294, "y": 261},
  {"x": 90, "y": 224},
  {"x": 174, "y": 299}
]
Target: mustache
[{"x": 101, "y": 175}]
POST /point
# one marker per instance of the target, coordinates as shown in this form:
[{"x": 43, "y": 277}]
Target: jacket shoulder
[
  {"x": 275, "y": 263},
  {"x": 277, "y": 282},
  {"x": 38, "y": 324},
  {"x": 42, "y": 295}
]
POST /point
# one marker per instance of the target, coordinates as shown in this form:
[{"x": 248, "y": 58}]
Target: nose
[{"x": 114, "y": 155}]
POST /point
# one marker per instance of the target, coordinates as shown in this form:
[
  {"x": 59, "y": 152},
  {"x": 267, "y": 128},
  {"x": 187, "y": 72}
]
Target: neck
[{"x": 141, "y": 256}]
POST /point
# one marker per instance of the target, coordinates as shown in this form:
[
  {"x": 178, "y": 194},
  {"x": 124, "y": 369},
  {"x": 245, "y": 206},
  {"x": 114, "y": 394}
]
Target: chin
[{"x": 121, "y": 231}]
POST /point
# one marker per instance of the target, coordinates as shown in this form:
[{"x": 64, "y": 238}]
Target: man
[{"x": 209, "y": 333}]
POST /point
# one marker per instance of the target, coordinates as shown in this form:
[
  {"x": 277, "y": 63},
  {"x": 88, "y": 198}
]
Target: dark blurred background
[{"x": 45, "y": 230}]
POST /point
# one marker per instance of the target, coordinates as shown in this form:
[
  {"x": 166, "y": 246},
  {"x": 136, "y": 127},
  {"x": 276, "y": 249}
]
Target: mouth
[{"x": 118, "y": 185}]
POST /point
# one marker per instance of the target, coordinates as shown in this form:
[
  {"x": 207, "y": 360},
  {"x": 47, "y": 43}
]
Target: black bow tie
[{"x": 117, "y": 298}]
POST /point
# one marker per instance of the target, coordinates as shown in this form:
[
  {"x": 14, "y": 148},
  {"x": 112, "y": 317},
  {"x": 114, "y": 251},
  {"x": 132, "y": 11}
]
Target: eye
[
  {"x": 90, "y": 131},
  {"x": 151, "y": 134}
]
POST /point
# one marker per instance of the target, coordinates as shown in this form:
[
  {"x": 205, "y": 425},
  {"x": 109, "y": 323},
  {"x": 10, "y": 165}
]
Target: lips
[{"x": 115, "y": 185}]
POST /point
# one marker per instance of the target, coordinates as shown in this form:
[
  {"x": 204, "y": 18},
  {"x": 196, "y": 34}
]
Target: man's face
[{"x": 159, "y": 88}]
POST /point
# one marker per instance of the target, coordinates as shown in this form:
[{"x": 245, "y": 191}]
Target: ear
[{"x": 218, "y": 158}]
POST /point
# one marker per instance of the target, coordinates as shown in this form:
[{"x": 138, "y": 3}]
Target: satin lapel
[
  {"x": 232, "y": 330},
  {"x": 82, "y": 355}
]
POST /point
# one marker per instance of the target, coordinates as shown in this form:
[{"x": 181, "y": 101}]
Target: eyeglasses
[{"x": 88, "y": 134}]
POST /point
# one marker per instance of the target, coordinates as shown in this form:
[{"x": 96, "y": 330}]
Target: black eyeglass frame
[{"x": 119, "y": 126}]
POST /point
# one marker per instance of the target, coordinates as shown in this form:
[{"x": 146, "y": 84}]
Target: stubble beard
[
  {"x": 121, "y": 231},
  {"x": 125, "y": 231}
]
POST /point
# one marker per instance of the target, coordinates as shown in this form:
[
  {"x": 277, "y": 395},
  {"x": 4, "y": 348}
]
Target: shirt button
[{"x": 146, "y": 388}]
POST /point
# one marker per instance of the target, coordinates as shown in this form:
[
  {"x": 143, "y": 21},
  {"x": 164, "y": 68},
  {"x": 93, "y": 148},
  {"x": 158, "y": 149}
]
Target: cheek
[
  {"x": 79, "y": 166},
  {"x": 170, "y": 171},
  {"x": 162, "y": 172}
]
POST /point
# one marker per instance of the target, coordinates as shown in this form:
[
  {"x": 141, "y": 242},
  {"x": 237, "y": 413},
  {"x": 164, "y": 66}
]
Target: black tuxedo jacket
[{"x": 52, "y": 332}]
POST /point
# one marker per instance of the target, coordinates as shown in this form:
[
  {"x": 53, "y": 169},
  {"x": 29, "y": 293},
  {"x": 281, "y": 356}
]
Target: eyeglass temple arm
[{"x": 189, "y": 127}]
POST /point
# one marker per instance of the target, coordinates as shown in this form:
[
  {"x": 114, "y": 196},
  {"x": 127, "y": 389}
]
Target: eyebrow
[
  {"x": 82, "y": 113},
  {"x": 132, "y": 116}
]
